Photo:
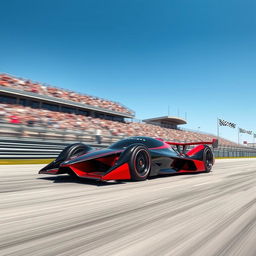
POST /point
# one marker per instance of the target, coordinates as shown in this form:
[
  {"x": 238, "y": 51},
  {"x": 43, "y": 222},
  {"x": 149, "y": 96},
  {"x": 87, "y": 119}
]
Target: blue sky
[{"x": 195, "y": 56}]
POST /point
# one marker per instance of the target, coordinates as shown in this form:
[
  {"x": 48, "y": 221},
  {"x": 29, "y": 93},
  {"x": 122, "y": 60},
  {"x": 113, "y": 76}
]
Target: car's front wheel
[
  {"x": 73, "y": 150},
  {"x": 140, "y": 163}
]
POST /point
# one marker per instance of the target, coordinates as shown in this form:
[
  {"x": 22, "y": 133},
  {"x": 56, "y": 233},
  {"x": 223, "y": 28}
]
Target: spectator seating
[
  {"x": 38, "y": 88},
  {"x": 27, "y": 116}
]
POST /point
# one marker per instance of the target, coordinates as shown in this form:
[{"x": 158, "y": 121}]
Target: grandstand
[
  {"x": 37, "y": 95},
  {"x": 32, "y": 117},
  {"x": 30, "y": 104}
]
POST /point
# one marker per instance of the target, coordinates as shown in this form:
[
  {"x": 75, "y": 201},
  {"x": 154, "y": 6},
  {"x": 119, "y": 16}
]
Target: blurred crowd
[
  {"x": 29, "y": 86},
  {"x": 32, "y": 117},
  {"x": 20, "y": 115}
]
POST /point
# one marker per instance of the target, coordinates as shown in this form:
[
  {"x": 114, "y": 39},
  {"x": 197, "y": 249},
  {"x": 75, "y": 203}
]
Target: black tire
[
  {"x": 139, "y": 163},
  {"x": 208, "y": 158},
  {"x": 73, "y": 150},
  {"x": 70, "y": 151}
]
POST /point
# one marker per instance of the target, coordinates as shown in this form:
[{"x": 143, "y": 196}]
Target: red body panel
[
  {"x": 200, "y": 167},
  {"x": 195, "y": 150},
  {"x": 86, "y": 170},
  {"x": 120, "y": 173}
]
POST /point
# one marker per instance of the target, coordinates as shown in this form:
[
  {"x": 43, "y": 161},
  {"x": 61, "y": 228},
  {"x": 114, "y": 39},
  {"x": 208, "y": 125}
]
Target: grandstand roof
[{"x": 166, "y": 119}]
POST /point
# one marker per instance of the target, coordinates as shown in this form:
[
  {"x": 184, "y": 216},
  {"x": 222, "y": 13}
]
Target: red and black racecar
[{"x": 134, "y": 158}]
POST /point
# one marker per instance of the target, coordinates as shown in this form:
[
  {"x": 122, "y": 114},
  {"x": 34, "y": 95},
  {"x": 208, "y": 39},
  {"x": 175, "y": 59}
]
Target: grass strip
[{"x": 25, "y": 161}]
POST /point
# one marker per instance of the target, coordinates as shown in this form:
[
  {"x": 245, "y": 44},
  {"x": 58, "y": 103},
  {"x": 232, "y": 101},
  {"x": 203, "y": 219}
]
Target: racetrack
[{"x": 204, "y": 214}]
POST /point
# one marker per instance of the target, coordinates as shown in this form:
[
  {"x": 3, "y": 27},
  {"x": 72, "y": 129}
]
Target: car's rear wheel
[
  {"x": 208, "y": 158},
  {"x": 140, "y": 163}
]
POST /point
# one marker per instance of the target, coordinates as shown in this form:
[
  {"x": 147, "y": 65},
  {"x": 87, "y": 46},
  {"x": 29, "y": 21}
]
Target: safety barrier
[{"x": 224, "y": 151}]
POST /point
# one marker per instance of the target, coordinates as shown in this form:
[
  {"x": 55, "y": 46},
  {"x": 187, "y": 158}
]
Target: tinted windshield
[{"x": 148, "y": 142}]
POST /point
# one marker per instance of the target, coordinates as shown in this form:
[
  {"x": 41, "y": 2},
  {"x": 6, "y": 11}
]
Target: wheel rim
[{"x": 142, "y": 163}]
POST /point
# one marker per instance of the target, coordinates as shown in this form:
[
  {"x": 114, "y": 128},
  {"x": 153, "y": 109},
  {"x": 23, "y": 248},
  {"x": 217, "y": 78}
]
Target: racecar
[{"x": 134, "y": 158}]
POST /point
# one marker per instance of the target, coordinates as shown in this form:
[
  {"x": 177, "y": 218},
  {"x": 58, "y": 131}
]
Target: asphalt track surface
[{"x": 204, "y": 214}]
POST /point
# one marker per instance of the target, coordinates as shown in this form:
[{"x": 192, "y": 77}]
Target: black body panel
[{"x": 163, "y": 158}]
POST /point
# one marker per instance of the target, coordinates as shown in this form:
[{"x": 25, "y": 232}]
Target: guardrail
[
  {"x": 224, "y": 151},
  {"x": 24, "y": 142},
  {"x": 34, "y": 149},
  {"x": 19, "y": 141},
  {"x": 43, "y": 133}
]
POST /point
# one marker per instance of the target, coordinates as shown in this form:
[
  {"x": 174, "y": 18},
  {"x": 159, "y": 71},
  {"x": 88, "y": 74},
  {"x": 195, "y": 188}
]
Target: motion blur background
[
  {"x": 93, "y": 70},
  {"x": 97, "y": 71}
]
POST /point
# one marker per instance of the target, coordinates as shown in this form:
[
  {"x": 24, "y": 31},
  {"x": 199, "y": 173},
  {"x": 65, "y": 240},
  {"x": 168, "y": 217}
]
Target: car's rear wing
[{"x": 214, "y": 143}]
